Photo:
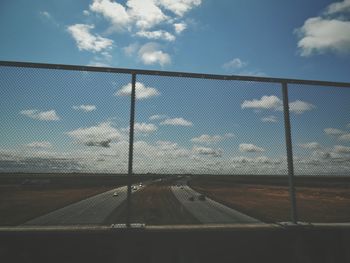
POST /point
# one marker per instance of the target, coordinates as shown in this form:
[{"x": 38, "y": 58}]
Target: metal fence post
[
  {"x": 131, "y": 148},
  {"x": 294, "y": 215}
]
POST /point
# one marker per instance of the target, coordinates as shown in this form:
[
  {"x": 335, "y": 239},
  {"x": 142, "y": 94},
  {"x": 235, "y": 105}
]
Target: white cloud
[
  {"x": 39, "y": 145},
  {"x": 319, "y": 35},
  {"x": 266, "y": 160},
  {"x": 131, "y": 49},
  {"x": 345, "y": 137},
  {"x": 254, "y": 72},
  {"x": 270, "y": 118},
  {"x": 266, "y": 102},
  {"x": 86, "y": 12},
  {"x": 158, "y": 34},
  {"x": 100, "y": 135},
  {"x": 342, "y": 149},
  {"x": 246, "y": 147},
  {"x": 102, "y": 59},
  {"x": 114, "y": 12},
  {"x": 168, "y": 157},
  {"x": 48, "y": 17},
  {"x": 150, "y": 53},
  {"x": 162, "y": 150},
  {"x": 299, "y": 107},
  {"x": 324, "y": 155},
  {"x": 333, "y": 131},
  {"x": 205, "y": 138},
  {"x": 274, "y": 103},
  {"x": 342, "y": 135},
  {"x": 167, "y": 145},
  {"x": 87, "y": 41},
  {"x": 37, "y": 161},
  {"x": 144, "y": 127},
  {"x": 338, "y": 7},
  {"x": 139, "y": 18},
  {"x": 256, "y": 160},
  {"x": 328, "y": 32},
  {"x": 144, "y": 151},
  {"x": 207, "y": 151},
  {"x": 98, "y": 64},
  {"x": 142, "y": 92},
  {"x": 145, "y": 13},
  {"x": 239, "y": 66},
  {"x": 179, "y": 27},
  {"x": 45, "y": 14},
  {"x": 171, "y": 149},
  {"x": 157, "y": 117},
  {"x": 50, "y": 115},
  {"x": 85, "y": 108},
  {"x": 177, "y": 122},
  {"x": 235, "y": 63},
  {"x": 179, "y": 7},
  {"x": 310, "y": 145},
  {"x": 106, "y": 55}
]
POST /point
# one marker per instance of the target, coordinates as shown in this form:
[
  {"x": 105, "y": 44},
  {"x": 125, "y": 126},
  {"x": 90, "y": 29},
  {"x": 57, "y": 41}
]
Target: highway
[
  {"x": 209, "y": 211},
  {"x": 95, "y": 210},
  {"x": 90, "y": 211}
]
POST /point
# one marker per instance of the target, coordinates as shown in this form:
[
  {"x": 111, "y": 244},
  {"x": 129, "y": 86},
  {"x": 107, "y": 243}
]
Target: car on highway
[
  {"x": 115, "y": 194},
  {"x": 134, "y": 188},
  {"x": 201, "y": 197}
]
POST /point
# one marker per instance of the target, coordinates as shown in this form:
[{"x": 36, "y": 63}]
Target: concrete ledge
[
  {"x": 142, "y": 228},
  {"x": 200, "y": 243},
  {"x": 139, "y": 227}
]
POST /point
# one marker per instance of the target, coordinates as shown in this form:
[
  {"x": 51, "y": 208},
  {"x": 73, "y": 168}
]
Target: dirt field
[
  {"x": 154, "y": 205},
  {"x": 24, "y": 196},
  {"x": 268, "y": 200},
  {"x": 18, "y": 204},
  {"x": 270, "y": 203}
]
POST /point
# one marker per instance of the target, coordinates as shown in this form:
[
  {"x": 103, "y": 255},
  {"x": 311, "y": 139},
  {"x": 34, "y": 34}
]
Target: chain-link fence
[{"x": 96, "y": 146}]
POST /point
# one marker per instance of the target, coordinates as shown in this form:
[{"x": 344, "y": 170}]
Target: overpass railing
[{"x": 273, "y": 149}]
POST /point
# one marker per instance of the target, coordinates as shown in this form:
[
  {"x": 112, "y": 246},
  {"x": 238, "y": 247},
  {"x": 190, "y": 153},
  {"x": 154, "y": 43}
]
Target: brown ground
[
  {"x": 270, "y": 203},
  {"x": 154, "y": 205},
  {"x": 19, "y": 204}
]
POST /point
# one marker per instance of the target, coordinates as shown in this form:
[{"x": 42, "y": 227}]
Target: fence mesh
[
  {"x": 201, "y": 132},
  {"x": 206, "y": 150},
  {"x": 320, "y": 130},
  {"x": 63, "y": 121},
  {"x": 203, "y": 126},
  {"x": 61, "y": 132}
]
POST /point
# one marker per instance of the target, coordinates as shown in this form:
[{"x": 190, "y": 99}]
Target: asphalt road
[
  {"x": 209, "y": 211},
  {"x": 90, "y": 211},
  {"x": 95, "y": 210}
]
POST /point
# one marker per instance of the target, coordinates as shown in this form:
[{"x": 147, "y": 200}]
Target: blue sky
[
  {"x": 61, "y": 120},
  {"x": 262, "y": 35}
]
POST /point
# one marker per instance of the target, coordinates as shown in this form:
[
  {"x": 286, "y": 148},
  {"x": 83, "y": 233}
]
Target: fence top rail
[{"x": 173, "y": 74}]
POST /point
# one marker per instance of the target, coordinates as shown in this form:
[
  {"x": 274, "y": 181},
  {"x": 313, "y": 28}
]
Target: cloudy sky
[{"x": 78, "y": 121}]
